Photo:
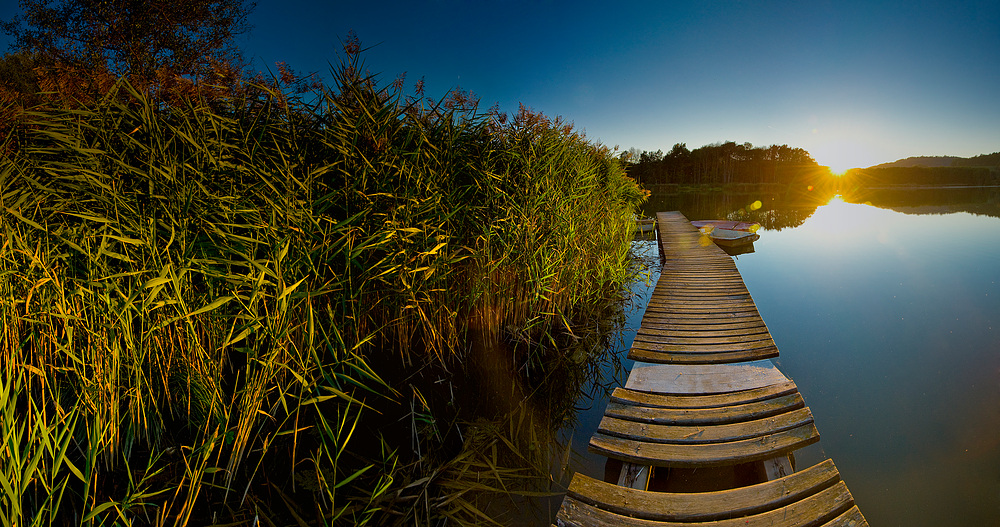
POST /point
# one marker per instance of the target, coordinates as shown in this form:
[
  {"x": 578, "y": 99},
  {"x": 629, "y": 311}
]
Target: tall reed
[{"x": 198, "y": 297}]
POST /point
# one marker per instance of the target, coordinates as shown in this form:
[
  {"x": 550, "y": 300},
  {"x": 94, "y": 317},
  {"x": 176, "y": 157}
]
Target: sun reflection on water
[{"x": 838, "y": 217}]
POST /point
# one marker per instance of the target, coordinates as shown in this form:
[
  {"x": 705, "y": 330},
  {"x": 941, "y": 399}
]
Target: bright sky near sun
[{"x": 856, "y": 83}]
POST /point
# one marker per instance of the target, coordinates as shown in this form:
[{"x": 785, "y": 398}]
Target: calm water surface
[{"x": 889, "y": 323}]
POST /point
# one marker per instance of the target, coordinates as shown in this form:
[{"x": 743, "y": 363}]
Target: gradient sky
[{"x": 854, "y": 83}]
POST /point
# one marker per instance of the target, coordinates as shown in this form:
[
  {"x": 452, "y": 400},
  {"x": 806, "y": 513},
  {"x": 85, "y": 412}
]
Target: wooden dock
[{"x": 705, "y": 428}]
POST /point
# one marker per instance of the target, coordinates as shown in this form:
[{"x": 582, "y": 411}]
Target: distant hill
[
  {"x": 930, "y": 171},
  {"x": 985, "y": 160},
  {"x": 922, "y": 161}
]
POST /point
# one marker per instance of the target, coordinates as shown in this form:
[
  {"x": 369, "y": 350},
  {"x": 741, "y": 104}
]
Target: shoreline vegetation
[{"x": 260, "y": 309}]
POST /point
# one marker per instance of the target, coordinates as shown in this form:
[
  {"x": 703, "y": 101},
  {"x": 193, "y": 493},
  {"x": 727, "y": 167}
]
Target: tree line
[
  {"x": 982, "y": 160},
  {"x": 724, "y": 163}
]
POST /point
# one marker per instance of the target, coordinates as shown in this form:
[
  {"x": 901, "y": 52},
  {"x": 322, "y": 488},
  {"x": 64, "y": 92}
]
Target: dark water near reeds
[{"x": 885, "y": 306}]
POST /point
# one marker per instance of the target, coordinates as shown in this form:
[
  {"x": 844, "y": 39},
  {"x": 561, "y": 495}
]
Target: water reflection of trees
[
  {"x": 983, "y": 201},
  {"x": 780, "y": 207},
  {"x": 783, "y": 207},
  {"x": 487, "y": 440}
]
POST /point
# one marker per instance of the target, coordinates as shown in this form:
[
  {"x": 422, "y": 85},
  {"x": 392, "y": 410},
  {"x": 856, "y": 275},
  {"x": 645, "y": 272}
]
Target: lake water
[{"x": 888, "y": 319}]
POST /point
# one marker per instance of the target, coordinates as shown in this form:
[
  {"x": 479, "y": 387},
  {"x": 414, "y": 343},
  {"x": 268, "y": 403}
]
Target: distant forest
[
  {"x": 723, "y": 163},
  {"x": 981, "y": 170}
]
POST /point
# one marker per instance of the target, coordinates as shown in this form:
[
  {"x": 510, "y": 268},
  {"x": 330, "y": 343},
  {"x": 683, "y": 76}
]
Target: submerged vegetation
[{"x": 222, "y": 309}]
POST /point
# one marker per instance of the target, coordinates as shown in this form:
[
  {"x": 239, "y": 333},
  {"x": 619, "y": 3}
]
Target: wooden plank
[
  {"x": 695, "y": 348},
  {"x": 708, "y": 316},
  {"x": 699, "y": 321},
  {"x": 673, "y": 278},
  {"x": 707, "y": 338},
  {"x": 656, "y": 400},
  {"x": 703, "y": 273},
  {"x": 708, "y": 285},
  {"x": 706, "y": 416},
  {"x": 709, "y": 288},
  {"x": 702, "y": 295},
  {"x": 704, "y": 454},
  {"x": 688, "y": 260},
  {"x": 728, "y": 305},
  {"x": 653, "y": 331},
  {"x": 657, "y": 316},
  {"x": 679, "y": 434},
  {"x": 851, "y": 518},
  {"x": 709, "y": 281},
  {"x": 695, "y": 261},
  {"x": 713, "y": 305},
  {"x": 725, "y": 357},
  {"x": 704, "y": 506},
  {"x": 704, "y": 379},
  {"x": 673, "y": 272},
  {"x": 659, "y": 347},
  {"x": 699, "y": 324},
  {"x": 812, "y": 510}
]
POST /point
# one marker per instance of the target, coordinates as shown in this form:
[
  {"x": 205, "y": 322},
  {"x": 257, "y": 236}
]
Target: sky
[{"x": 853, "y": 83}]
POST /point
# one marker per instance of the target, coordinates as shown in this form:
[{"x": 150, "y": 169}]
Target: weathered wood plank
[
  {"x": 704, "y": 308},
  {"x": 704, "y": 506},
  {"x": 825, "y": 504},
  {"x": 709, "y": 433},
  {"x": 702, "y": 324},
  {"x": 725, "y": 357},
  {"x": 708, "y": 338},
  {"x": 654, "y": 331},
  {"x": 851, "y": 518},
  {"x": 704, "y": 454},
  {"x": 706, "y": 289},
  {"x": 706, "y": 416},
  {"x": 702, "y": 273},
  {"x": 704, "y": 296},
  {"x": 695, "y": 348},
  {"x": 692, "y": 304},
  {"x": 704, "y": 379},
  {"x": 717, "y": 316},
  {"x": 686, "y": 278},
  {"x": 656, "y": 400}
]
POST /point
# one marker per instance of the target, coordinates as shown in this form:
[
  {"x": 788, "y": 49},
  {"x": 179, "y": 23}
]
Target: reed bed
[{"x": 205, "y": 302}]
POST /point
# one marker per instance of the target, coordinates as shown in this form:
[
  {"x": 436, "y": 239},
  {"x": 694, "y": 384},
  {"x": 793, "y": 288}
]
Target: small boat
[
  {"x": 728, "y": 225},
  {"x": 645, "y": 224},
  {"x": 729, "y": 237}
]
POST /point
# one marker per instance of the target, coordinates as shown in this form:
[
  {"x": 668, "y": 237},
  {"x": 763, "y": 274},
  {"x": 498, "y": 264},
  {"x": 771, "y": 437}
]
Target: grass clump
[{"x": 205, "y": 301}]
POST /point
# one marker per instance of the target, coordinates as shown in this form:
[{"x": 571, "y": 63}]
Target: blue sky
[{"x": 854, "y": 83}]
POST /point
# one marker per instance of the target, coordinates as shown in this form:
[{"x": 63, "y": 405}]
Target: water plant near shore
[{"x": 200, "y": 299}]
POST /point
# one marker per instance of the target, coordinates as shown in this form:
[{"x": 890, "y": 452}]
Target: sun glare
[{"x": 838, "y": 217}]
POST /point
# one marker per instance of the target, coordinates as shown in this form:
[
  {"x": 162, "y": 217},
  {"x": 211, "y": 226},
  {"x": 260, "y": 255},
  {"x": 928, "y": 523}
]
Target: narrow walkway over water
[{"x": 706, "y": 427}]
